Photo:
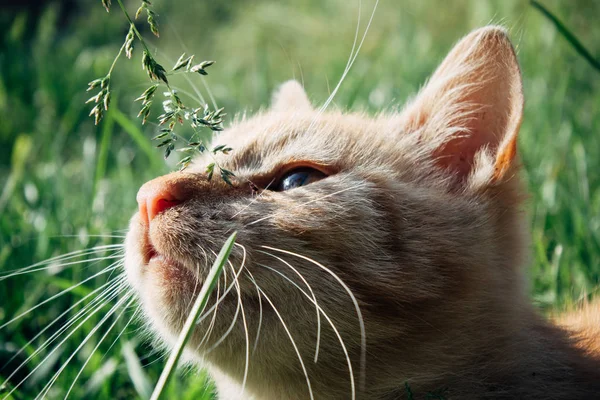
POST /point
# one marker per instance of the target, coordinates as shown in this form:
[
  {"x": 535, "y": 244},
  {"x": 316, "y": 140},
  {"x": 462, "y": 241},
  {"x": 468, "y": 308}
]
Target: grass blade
[
  {"x": 136, "y": 372},
  {"x": 571, "y": 38},
  {"x": 207, "y": 288}
]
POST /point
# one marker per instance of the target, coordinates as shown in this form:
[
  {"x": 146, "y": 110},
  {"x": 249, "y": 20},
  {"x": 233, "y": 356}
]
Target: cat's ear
[
  {"x": 290, "y": 96},
  {"x": 469, "y": 113}
]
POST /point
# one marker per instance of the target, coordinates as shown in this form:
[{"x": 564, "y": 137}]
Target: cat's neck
[
  {"x": 532, "y": 359},
  {"x": 516, "y": 354}
]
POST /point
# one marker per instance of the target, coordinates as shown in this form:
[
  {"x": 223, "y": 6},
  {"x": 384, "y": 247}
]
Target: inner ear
[
  {"x": 290, "y": 96},
  {"x": 473, "y": 103}
]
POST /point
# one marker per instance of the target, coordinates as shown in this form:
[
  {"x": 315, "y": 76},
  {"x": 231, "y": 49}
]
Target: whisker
[
  {"x": 99, "y": 343},
  {"x": 306, "y": 203},
  {"x": 215, "y": 308},
  {"x": 313, "y": 296},
  {"x": 54, "y": 378},
  {"x": 48, "y": 326},
  {"x": 337, "y": 333},
  {"x": 260, "y": 310},
  {"x": 233, "y": 322},
  {"x": 61, "y": 265},
  {"x": 75, "y": 254},
  {"x": 246, "y": 334},
  {"x": 204, "y": 254},
  {"x": 234, "y": 283},
  {"x": 206, "y": 313},
  {"x": 135, "y": 315},
  {"x": 196, "y": 286},
  {"x": 212, "y": 321},
  {"x": 253, "y": 200},
  {"x": 291, "y": 340},
  {"x": 162, "y": 356},
  {"x": 92, "y": 313},
  {"x": 122, "y": 266},
  {"x": 104, "y": 298},
  {"x": 62, "y": 292},
  {"x": 108, "y": 236},
  {"x": 351, "y": 63},
  {"x": 363, "y": 336},
  {"x": 93, "y": 260}
]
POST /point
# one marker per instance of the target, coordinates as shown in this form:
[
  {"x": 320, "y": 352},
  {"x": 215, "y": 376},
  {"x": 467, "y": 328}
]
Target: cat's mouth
[
  {"x": 150, "y": 252},
  {"x": 151, "y": 257}
]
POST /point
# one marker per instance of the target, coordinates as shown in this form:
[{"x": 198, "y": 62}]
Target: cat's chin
[
  {"x": 164, "y": 286},
  {"x": 148, "y": 267},
  {"x": 153, "y": 259}
]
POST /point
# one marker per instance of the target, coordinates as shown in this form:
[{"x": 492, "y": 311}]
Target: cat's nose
[{"x": 160, "y": 194}]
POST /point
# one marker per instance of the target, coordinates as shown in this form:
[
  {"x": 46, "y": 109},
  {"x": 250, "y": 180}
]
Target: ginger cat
[{"x": 377, "y": 257}]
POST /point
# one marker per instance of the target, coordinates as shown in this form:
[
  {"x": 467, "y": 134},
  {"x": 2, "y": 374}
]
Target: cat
[{"x": 377, "y": 257}]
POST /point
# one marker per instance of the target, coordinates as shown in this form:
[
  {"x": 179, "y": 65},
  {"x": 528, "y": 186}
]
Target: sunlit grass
[{"x": 66, "y": 185}]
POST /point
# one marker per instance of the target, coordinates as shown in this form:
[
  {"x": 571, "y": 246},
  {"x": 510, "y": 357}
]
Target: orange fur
[
  {"x": 421, "y": 220},
  {"x": 584, "y": 325}
]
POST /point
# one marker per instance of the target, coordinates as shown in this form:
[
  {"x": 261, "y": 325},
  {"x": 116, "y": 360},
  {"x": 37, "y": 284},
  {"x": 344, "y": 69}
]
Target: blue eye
[{"x": 299, "y": 177}]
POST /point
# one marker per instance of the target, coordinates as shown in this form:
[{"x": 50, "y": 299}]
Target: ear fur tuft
[
  {"x": 473, "y": 103},
  {"x": 290, "y": 96}
]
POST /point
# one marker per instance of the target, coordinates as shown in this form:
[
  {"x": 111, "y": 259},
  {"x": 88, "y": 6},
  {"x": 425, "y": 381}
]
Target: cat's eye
[{"x": 299, "y": 177}]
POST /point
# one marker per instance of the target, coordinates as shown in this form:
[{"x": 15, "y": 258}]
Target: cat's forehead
[{"x": 271, "y": 140}]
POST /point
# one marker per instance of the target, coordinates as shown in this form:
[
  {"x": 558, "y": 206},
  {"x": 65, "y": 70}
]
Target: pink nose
[{"x": 159, "y": 195}]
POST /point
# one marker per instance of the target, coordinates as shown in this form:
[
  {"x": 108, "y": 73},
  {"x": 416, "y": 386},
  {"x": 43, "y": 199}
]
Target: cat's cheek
[
  {"x": 158, "y": 309},
  {"x": 134, "y": 260},
  {"x": 141, "y": 282},
  {"x": 163, "y": 289},
  {"x": 167, "y": 294}
]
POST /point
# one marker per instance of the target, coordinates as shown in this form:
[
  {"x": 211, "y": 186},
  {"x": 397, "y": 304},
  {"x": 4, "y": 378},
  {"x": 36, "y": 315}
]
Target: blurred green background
[{"x": 65, "y": 184}]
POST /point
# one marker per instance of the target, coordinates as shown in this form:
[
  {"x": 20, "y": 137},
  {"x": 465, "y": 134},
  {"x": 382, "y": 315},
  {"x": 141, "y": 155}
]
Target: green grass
[{"x": 63, "y": 181}]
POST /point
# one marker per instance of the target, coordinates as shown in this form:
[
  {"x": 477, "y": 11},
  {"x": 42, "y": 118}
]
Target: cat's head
[{"x": 411, "y": 216}]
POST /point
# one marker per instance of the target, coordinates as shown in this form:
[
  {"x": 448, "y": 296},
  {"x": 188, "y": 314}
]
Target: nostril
[
  {"x": 160, "y": 194},
  {"x": 155, "y": 197},
  {"x": 157, "y": 205}
]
